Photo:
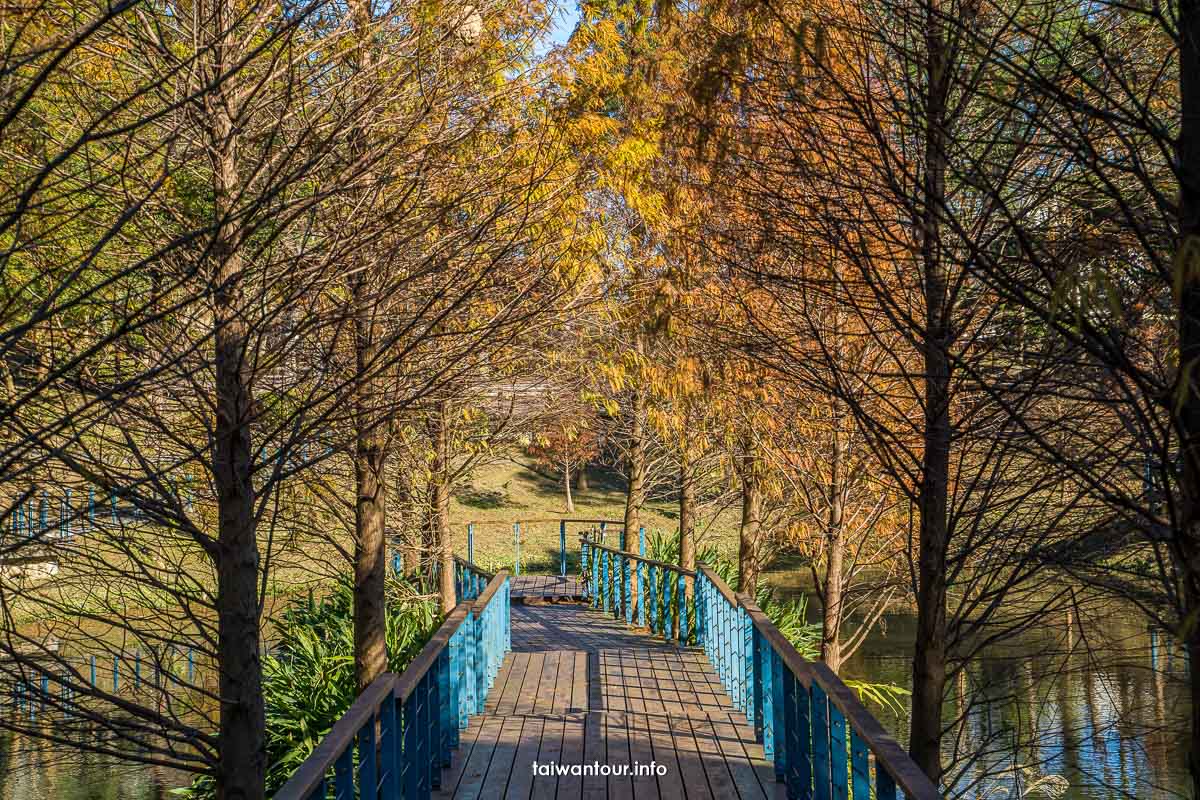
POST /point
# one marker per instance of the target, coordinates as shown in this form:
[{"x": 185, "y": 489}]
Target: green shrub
[{"x": 308, "y": 680}]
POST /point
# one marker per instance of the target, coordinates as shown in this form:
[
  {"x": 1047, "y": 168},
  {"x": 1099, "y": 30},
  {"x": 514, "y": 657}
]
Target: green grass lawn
[{"x": 499, "y": 495}]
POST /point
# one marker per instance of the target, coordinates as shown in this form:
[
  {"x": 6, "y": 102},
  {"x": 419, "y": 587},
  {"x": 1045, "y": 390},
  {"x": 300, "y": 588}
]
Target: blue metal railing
[
  {"x": 398, "y": 735},
  {"x": 469, "y": 580},
  {"x": 822, "y": 740},
  {"x": 633, "y": 587}
]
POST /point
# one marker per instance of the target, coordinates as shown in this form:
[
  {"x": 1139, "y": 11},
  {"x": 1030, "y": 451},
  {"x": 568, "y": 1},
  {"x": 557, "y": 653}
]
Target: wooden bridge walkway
[
  {"x": 608, "y": 698},
  {"x": 580, "y": 688}
]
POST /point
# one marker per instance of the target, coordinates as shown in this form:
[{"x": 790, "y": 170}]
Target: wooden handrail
[
  {"x": 719, "y": 583},
  {"x": 473, "y": 567},
  {"x": 489, "y": 592},
  {"x": 407, "y": 680},
  {"x": 643, "y": 559},
  {"x": 311, "y": 773}
]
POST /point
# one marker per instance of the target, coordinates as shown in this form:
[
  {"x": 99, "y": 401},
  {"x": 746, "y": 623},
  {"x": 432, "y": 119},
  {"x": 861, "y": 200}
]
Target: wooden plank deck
[
  {"x": 545, "y": 587},
  {"x": 580, "y": 688}
]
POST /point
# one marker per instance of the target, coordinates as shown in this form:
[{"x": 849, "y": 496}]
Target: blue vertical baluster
[
  {"x": 668, "y": 603},
  {"x": 343, "y": 775},
  {"x": 368, "y": 759},
  {"x": 562, "y": 548},
  {"x": 797, "y": 728},
  {"x": 44, "y": 514},
  {"x": 653, "y": 624},
  {"x": 605, "y": 557},
  {"x": 602, "y": 526},
  {"x": 681, "y": 602},
  {"x": 885, "y": 785},
  {"x": 389, "y": 761},
  {"x": 754, "y": 703},
  {"x": 471, "y": 542},
  {"x": 116, "y": 672},
  {"x": 92, "y": 666},
  {"x": 641, "y": 573},
  {"x": 583, "y": 567},
  {"x": 516, "y": 548},
  {"x": 412, "y": 767},
  {"x": 626, "y": 588},
  {"x": 860, "y": 767},
  {"x": 91, "y": 507},
  {"x": 822, "y": 779},
  {"x": 785, "y": 718},
  {"x": 595, "y": 588},
  {"x": 838, "y": 770}
]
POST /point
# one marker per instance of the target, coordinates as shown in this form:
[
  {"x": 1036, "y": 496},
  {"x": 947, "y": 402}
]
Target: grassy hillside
[{"x": 498, "y": 495}]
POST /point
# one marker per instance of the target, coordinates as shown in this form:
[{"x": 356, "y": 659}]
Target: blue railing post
[
  {"x": 562, "y": 548},
  {"x": 471, "y": 542},
  {"x": 822, "y": 779},
  {"x": 602, "y": 526},
  {"x": 783, "y": 716},
  {"x": 584, "y": 569},
  {"x": 668, "y": 604},
  {"x": 626, "y": 589},
  {"x": 640, "y": 570},
  {"x": 445, "y": 721},
  {"x": 653, "y": 624},
  {"x": 681, "y": 594},
  {"x": 389, "y": 747},
  {"x": 606, "y": 558},
  {"x": 516, "y": 548},
  {"x": 368, "y": 765},
  {"x": 595, "y": 587},
  {"x": 411, "y": 767},
  {"x": 746, "y": 629}
]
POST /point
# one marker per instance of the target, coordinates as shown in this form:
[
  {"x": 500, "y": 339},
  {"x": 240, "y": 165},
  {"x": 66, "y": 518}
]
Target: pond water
[
  {"x": 34, "y": 771},
  {"x": 1092, "y": 705}
]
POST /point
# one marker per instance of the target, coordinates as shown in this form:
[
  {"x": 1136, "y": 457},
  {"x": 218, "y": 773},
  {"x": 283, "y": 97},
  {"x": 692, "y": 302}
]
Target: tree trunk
[
  {"x": 687, "y": 520},
  {"x": 751, "y": 525},
  {"x": 1188, "y": 404},
  {"x": 241, "y": 768},
  {"x": 835, "y": 546},
  {"x": 567, "y": 486},
  {"x": 929, "y": 655},
  {"x": 635, "y": 497},
  {"x": 370, "y": 452},
  {"x": 440, "y": 506},
  {"x": 370, "y": 543}
]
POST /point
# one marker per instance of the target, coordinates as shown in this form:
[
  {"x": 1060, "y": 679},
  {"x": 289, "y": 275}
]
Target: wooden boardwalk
[
  {"x": 546, "y": 587},
  {"x": 580, "y": 688}
]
